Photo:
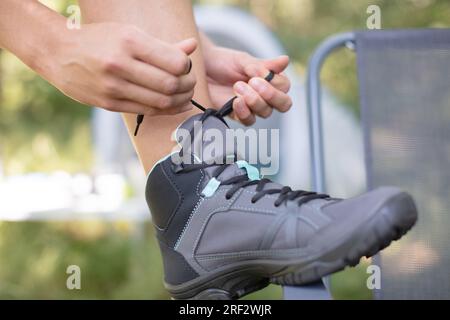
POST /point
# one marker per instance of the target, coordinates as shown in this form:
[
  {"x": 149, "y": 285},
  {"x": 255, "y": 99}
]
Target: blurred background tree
[{"x": 42, "y": 130}]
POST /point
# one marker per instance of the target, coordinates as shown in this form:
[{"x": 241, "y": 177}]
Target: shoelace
[
  {"x": 226, "y": 109},
  {"x": 243, "y": 181}
]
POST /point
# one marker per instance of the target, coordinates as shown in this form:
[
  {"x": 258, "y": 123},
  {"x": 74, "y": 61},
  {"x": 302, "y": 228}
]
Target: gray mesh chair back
[
  {"x": 404, "y": 78},
  {"x": 405, "y": 103}
]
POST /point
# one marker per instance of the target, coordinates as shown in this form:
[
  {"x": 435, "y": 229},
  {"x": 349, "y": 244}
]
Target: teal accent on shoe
[
  {"x": 211, "y": 187},
  {"x": 252, "y": 172}
]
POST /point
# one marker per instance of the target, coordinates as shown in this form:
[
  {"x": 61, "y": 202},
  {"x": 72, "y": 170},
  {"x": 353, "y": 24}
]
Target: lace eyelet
[
  {"x": 276, "y": 205},
  {"x": 227, "y": 197},
  {"x": 253, "y": 201}
]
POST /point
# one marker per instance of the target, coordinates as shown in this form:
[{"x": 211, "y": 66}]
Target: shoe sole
[{"x": 391, "y": 221}]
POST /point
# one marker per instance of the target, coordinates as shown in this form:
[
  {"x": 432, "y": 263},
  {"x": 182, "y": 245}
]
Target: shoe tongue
[{"x": 204, "y": 140}]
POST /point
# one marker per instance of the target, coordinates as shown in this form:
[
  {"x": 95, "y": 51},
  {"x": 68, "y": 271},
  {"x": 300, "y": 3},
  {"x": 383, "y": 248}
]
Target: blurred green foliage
[
  {"x": 117, "y": 261},
  {"x": 42, "y": 130}
]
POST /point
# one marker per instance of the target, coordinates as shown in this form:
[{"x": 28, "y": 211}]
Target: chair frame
[
  {"x": 314, "y": 104},
  {"x": 319, "y": 290}
]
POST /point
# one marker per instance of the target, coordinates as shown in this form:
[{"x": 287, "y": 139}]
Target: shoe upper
[{"x": 210, "y": 215}]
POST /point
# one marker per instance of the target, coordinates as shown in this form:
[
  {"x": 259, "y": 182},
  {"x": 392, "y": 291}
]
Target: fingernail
[
  {"x": 240, "y": 88},
  {"x": 258, "y": 84}
]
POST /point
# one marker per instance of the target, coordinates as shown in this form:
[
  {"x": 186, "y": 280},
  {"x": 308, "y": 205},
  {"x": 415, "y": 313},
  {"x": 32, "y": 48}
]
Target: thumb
[
  {"x": 277, "y": 64},
  {"x": 188, "y": 45},
  {"x": 260, "y": 68}
]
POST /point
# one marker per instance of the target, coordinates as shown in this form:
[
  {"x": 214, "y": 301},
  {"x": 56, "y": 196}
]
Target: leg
[
  {"x": 224, "y": 233},
  {"x": 170, "y": 21}
]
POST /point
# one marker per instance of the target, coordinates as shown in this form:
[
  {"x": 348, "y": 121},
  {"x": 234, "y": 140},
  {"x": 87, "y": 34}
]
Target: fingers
[
  {"x": 158, "y": 80},
  {"x": 279, "y": 81},
  {"x": 278, "y": 64},
  {"x": 252, "y": 99},
  {"x": 157, "y": 76},
  {"x": 271, "y": 96},
  {"x": 248, "y": 62},
  {"x": 188, "y": 45},
  {"x": 260, "y": 96},
  {"x": 260, "y": 68},
  {"x": 170, "y": 104},
  {"x": 171, "y": 58},
  {"x": 242, "y": 112}
]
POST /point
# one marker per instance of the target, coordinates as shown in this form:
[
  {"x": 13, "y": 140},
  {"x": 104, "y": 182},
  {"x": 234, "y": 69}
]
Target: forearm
[
  {"x": 30, "y": 31},
  {"x": 169, "y": 21}
]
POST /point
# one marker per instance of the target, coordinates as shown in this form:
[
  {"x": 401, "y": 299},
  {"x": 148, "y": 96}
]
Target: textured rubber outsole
[
  {"x": 233, "y": 284},
  {"x": 396, "y": 217}
]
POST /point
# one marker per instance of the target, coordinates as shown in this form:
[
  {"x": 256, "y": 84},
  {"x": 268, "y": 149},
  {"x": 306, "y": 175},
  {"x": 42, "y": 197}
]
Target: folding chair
[{"x": 404, "y": 79}]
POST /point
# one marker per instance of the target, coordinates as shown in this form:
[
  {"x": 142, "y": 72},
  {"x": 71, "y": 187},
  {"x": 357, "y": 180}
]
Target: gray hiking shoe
[{"x": 224, "y": 232}]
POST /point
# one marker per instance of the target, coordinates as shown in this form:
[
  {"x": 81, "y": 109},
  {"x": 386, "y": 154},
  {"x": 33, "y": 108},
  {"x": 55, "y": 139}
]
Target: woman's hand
[
  {"x": 232, "y": 72},
  {"x": 120, "y": 68}
]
